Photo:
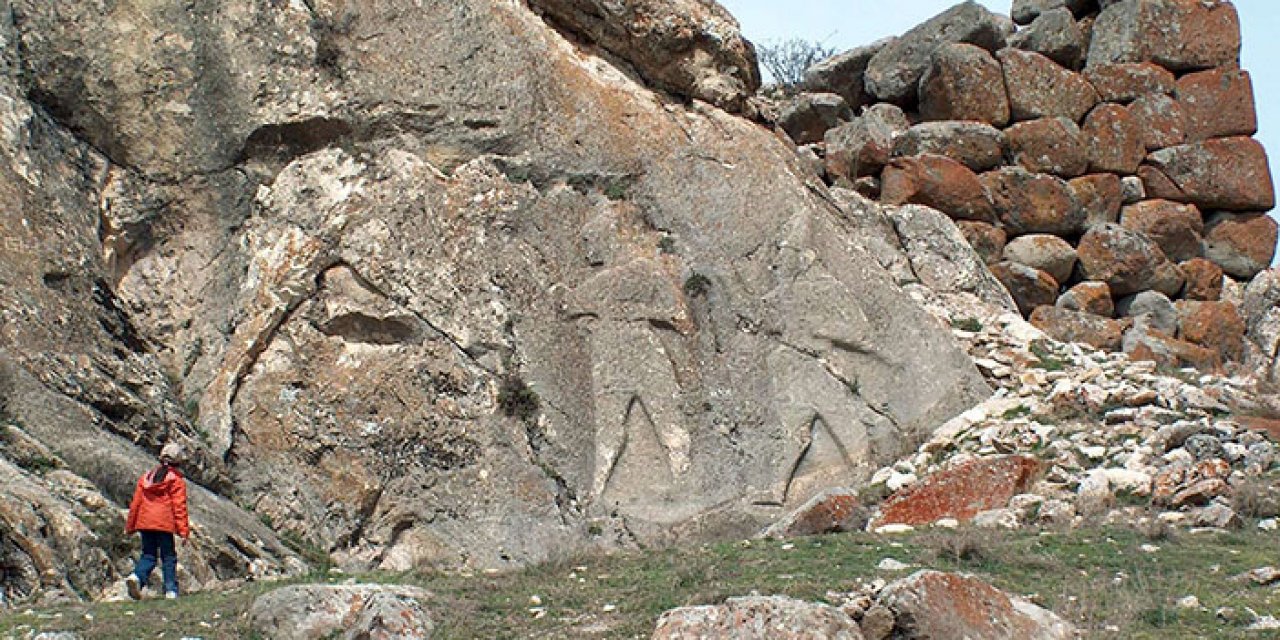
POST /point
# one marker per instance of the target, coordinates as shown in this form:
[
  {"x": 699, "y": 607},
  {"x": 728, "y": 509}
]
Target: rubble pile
[{"x": 1091, "y": 151}]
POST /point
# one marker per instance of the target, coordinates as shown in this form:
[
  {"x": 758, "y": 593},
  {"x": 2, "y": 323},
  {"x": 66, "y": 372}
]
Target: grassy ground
[{"x": 1101, "y": 579}]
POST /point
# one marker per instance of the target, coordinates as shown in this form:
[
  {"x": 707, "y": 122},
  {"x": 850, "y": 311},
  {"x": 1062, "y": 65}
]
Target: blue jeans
[{"x": 158, "y": 543}]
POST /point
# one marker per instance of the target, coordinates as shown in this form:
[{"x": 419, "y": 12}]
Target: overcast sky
[{"x": 844, "y": 24}]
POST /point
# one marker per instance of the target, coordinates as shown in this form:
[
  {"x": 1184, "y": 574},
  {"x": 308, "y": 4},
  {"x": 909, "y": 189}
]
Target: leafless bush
[{"x": 787, "y": 61}]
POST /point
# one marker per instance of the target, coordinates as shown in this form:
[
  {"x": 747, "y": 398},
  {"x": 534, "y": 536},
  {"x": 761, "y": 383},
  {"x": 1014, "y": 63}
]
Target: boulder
[
  {"x": 1065, "y": 325},
  {"x": 1114, "y": 140},
  {"x": 353, "y": 611},
  {"x": 1143, "y": 344},
  {"x": 986, "y": 239},
  {"x": 1041, "y": 88},
  {"x": 1260, "y": 308},
  {"x": 1025, "y": 11},
  {"x": 1179, "y": 35},
  {"x": 832, "y": 511},
  {"x": 842, "y": 74},
  {"x": 1048, "y": 145},
  {"x": 1216, "y": 326},
  {"x": 1160, "y": 121},
  {"x": 1033, "y": 202},
  {"x": 1155, "y": 309},
  {"x": 894, "y": 72},
  {"x": 1128, "y": 81},
  {"x": 1177, "y": 228},
  {"x": 1127, "y": 261},
  {"x": 938, "y": 182},
  {"x": 960, "y": 492},
  {"x": 977, "y": 145},
  {"x": 1088, "y": 297},
  {"x": 940, "y": 257},
  {"x": 1029, "y": 287},
  {"x": 1204, "y": 279},
  {"x": 1225, "y": 173},
  {"x": 862, "y": 147},
  {"x": 1243, "y": 244},
  {"x": 1216, "y": 104},
  {"x": 758, "y": 618},
  {"x": 807, "y": 116},
  {"x": 963, "y": 82},
  {"x": 694, "y": 50},
  {"x": 1053, "y": 34},
  {"x": 933, "y": 605},
  {"x": 1100, "y": 197},
  {"x": 1044, "y": 252}
]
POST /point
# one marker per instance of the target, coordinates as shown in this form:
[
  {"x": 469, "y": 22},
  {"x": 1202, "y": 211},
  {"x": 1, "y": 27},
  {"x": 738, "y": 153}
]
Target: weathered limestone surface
[{"x": 460, "y": 307}]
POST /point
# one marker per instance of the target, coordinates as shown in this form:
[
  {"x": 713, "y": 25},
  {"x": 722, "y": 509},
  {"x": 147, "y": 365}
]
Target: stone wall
[{"x": 1098, "y": 155}]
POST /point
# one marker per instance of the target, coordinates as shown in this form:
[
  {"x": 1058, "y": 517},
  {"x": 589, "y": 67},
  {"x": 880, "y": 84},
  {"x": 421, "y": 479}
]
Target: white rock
[
  {"x": 1128, "y": 480},
  {"x": 897, "y": 481},
  {"x": 1269, "y": 524},
  {"x": 891, "y": 529},
  {"x": 889, "y": 564},
  {"x": 1189, "y": 602},
  {"x": 996, "y": 519},
  {"x": 947, "y": 523}
]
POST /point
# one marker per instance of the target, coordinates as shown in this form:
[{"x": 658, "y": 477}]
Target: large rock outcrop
[{"x": 432, "y": 283}]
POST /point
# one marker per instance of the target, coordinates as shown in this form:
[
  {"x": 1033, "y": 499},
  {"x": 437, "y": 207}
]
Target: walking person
[{"x": 157, "y": 512}]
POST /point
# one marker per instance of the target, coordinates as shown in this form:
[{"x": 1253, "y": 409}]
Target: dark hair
[{"x": 159, "y": 473}]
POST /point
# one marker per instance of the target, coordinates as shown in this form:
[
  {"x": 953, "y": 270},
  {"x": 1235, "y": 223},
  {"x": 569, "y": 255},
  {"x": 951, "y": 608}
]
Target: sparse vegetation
[
  {"x": 972, "y": 325},
  {"x": 667, "y": 245},
  {"x": 1048, "y": 361},
  {"x": 1013, "y": 413},
  {"x": 696, "y": 285},
  {"x": 786, "y": 61},
  {"x": 517, "y": 399},
  {"x": 1097, "y": 578}
]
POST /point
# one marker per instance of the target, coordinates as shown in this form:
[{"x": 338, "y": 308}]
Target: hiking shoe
[
  {"x": 171, "y": 595},
  {"x": 133, "y": 587}
]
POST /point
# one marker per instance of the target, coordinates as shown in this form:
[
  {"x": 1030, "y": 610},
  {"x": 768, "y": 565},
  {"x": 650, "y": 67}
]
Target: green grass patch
[{"x": 1097, "y": 578}]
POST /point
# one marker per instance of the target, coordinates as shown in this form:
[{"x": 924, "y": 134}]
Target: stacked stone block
[{"x": 1087, "y": 150}]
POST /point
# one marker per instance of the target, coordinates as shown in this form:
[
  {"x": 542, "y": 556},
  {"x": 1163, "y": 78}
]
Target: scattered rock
[
  {"x": 1026, "y": 11},
  {"x": 986, "y": 239},
  {"x": 758, "y": 618},
  {"x": 1156, "y": 308},
  {"x": 832, "y": 511},
  {"x": 1077, "y": 326},
  {"x": 1132, "y": 189},
  {"x": 342, "y": 611},
  {"x": 1204, "y": 280},
  {"x": 960, "y": 493},
  {"x": 1214, "y": 325},
  {"x": 931, "y": 604}
]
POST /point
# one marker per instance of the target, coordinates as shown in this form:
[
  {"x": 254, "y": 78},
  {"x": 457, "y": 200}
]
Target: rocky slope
[{"x": 457, "y": 283}]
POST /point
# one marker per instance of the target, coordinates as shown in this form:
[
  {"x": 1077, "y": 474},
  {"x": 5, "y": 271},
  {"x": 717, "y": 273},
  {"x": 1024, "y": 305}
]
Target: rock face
[
  {"x": 350, "y": 612},
  {"x": 459, "y": 307}
]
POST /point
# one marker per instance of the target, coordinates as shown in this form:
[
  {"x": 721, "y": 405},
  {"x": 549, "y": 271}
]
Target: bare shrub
[{"x": 787, "y": 61}]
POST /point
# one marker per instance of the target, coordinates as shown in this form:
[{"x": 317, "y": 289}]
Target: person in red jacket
[{"x": 159, "y": 510}]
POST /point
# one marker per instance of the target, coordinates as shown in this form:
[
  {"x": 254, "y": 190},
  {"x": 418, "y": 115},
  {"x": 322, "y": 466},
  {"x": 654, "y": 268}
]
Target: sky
[{"x": 844, "y": 24}]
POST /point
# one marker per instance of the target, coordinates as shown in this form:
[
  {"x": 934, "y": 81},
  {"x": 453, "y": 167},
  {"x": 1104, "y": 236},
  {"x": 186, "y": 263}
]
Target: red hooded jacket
[{"x": 159, "y": 505}]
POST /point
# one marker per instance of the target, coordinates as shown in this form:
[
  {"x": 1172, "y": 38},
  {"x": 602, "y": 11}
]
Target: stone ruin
[{"x": 1097, "y": 155}]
